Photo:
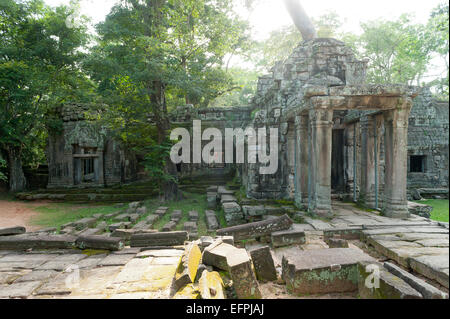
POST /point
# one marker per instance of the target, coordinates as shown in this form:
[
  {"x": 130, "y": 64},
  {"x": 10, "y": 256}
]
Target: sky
[{"x": 269, "y": 15}]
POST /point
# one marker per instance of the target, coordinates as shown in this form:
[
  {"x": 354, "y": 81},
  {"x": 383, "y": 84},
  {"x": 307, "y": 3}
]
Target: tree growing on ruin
[{"x": 155, "y": 55}]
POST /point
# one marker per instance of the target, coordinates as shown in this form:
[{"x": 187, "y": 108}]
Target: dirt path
[{"x": 18, "y": 214}]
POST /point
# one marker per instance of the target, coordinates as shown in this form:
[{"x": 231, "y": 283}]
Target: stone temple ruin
[{"x": 341, "y": 141}]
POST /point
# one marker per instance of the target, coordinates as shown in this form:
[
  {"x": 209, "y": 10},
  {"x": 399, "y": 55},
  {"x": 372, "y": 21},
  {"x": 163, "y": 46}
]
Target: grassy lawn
[
  {"x": 440, "y": 210},
  {"x": 57, "y": 214}
]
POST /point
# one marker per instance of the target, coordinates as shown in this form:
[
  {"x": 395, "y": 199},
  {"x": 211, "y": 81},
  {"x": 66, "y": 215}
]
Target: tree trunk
[
  {"x": 301, "y": 19},
  {"x": 17, "y": 181}
]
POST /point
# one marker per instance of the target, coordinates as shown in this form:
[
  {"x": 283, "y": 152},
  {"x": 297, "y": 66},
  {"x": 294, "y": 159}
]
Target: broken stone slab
[
  {"x": 188, "y": 266},
  {"x": 151, "y": 220},
  {"x": 115, "y": 226},
  {"x": 211, "y": 285},
  {"x": 100, "y": 242},
  {"x": 288, "y": 237},
  {"x": 126, "y": 234},
  {"x": 88, "y": 222},
  {"x": 252, "y": 211},
  {"x": 61, "y": 262},
  {"x": 232, "y": 208},
  {"x": 216, "y": 254},
  {"x": 322, "y": 270},
  {"x": 264, "y": 265},
  {"x": 39, "y": 241},
  {"x": 257, "y": 229},
  {"x": 17, "y": 230},
  {"x": 344, "y": 233},
  {"x": 428, "y": 291},
  {"x": 170, "y": 226},
  {"x": 38, "y": 275},
  {"x": 433, "y": 267},
  {"x": 58, "y": 285},
  {"x": 421, "y": 210},
  {"x": 211, "y": 220},
  {"x": 227, "y": 198},
  {"x": 390, "y": 286},
  {"x": 205, "y": 241},
  {"x": 336, "y": 243},
  {"x": 193, "y": 216},
  {"x": 141, "y": 225},
  {"x": 190, "y": 226},
  {"x": 176, "y": 215},
  {"x": 19, "y": 290},
  {"x": 158, "y": 239},
  {"x": 226, "y": 239},
  {"x": 244, "y": 280}
]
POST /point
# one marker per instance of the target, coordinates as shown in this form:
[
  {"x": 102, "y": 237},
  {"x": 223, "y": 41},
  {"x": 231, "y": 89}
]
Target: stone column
[
  {"x": 396, "y": 150},
  {"x": 319, "y": 168},
  {"x": 367, "y": 193},
  {"x": 349, "y": 159},
  {"x": 301, "y": 158}
]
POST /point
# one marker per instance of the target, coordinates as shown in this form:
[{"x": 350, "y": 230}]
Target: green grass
[
  {"x": 440, "y": 210},
  {"x": 57, "y": 214}
]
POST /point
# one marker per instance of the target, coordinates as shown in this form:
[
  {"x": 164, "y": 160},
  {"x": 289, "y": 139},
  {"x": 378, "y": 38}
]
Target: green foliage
[
  {"x": 38, "y": 71},
  {"x": 2, "y": 167}
]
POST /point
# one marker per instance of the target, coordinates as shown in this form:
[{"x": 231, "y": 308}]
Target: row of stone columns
[{"x": 313, "y": 169}]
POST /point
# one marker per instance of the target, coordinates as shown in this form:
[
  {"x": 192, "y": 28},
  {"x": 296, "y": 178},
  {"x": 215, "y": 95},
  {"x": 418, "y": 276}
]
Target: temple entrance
[
  {"x": 85, "y": 165},
  {"x": 337, "y": 162}
]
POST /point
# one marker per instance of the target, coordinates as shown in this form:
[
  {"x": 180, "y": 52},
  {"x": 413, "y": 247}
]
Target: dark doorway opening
[{"x": 337, "y": 161}]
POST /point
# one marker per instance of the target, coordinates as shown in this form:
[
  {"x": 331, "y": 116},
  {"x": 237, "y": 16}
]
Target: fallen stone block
[
  {"x": 39, "y": 241},
  {"x": 115, "y": 226},
  {"x": 216, "y": 254},
  {"x": 226, "y": 239},
  {"x": 205, "y": 241},
  {"x": 12, "y": 231},
  {"x": 141, "y": 210},
  {"x": 211, "y": 199},
  {"x": 90, "y": 231},
  {"x": 428, "y": 291},
  {"x": 100, "y": 242},
  {"x": 211, "y": 220},
  {"x": 227, "y": 198},
  {"x": 188, "y": 266},
  {"x": 322, "y": 270},
  {"x": 432, "y": 267},
  {"x": 134, "y": 217},
  {"x": 252, "y": 211},
  {"x": 141, "y": 225},
  {"x": 87, "y": 222},
  {"x": 233, "y": 212},
  {"x": 170, "y": 226},
  {"x": 211, "y": 285},
  {"x": 158, "y": 239},
  {"x": 221, "y": 190},
  {"x": 421, "y": 210},
  {"x": 244, "y": 280},
  {"x": 389, "y": 286},
  {"x": 67, "y": 230},
  {"x": 336, "y": 243},
  {"x": 176, "y": 215},
  {"x": 257, "y": 229},
  {"x": 126, "y": 234},
  {"x": 264, "y": 265},
  {"x": 190, "y": 226},
  {"x": 151, "y": 220},
  {"x": 344, "y": 233},
  {"x": 135, "y": 204},
  {"x": 193, "y": 216},
  {"x": 288, "y": 237},
  {"x": 160, "y": 213}
]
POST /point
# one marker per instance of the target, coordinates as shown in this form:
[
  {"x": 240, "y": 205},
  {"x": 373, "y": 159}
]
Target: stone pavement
[
  {"x": 416, "y": 243},
  {"x": 128, "y": 274}
]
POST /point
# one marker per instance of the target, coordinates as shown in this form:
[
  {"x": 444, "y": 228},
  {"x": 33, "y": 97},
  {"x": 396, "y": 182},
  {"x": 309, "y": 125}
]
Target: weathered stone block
[
  {"x": 244, "y": 280},
  {"x": 158, "y": 239},
  {"x": 40, "y": 241},
  {"x": 421, "y": 210},
  {"x": 251, "y": 211},
  {"x": 188, "y": 266},
  {"x": 12, "y": 231},
  {"x": 264, "y": 265},
  {"x": 287, "y": 237},
  {"x": 141, "y": 210},
  {"x": 193, "y": 216},
  {"x": 99, "y": 242},
  {"x": 211, "y": 285},
  {"x": 225, "y": 198},
  {"x": 190, "y": 227},
  {"x": 170, "y": 226},
  {"x": 216, "y": 254},
  {"x": 322, "y": 270},
  {"x": 390, "y": 286},
  {"x": 211, "y": 220},
  {"x": 85, "y": 223}
]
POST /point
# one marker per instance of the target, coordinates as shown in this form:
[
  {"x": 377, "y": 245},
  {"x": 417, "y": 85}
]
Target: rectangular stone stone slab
[
  {"x": 40, "y": 241},
  {"x": 151, "y": 219},
  {"x": 227, "y": 199},
  {"x": 432, "y": 267},
  {"x": 322, "y": 270},
  {"x": 428, "y": 291},
  {"x": 61, "y": 262},
  {"x": 257, "y": 229},
  {"x": 158, "y": 239},
  {"x": 87, "y": 222},
  {"x": 190, "y": 226},
  {"x": 211, "y": 220},
  {"x": 12, "y": 231},
  {"x": 244, "y": 280},
  {"x": 391, "y": 286},
  {"x": 264, "y": 265},
  {"x": 193, "y": 216},
  {"x": 100, "y": 242},
  {"x": 19, "y": 290},
  {"x": 116, "y": 260},
  {"x": 38, "y": 275},
  {"x": 216, "y": 254},
  {"x": 170, "y": 226},
  {"x": 288, "y": 237}
]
